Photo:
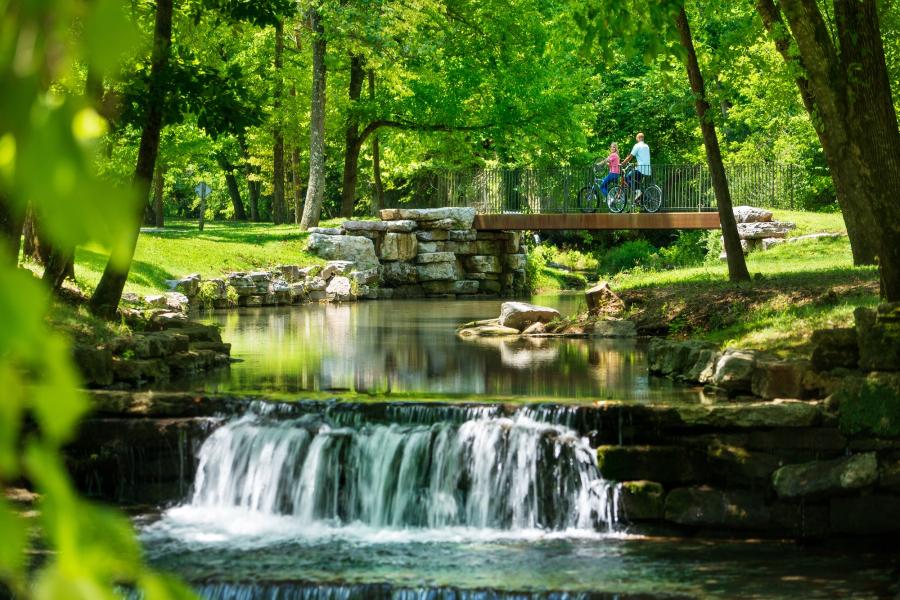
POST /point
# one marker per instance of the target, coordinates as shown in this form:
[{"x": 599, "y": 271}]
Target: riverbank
[{"x": 797, "y": 287}]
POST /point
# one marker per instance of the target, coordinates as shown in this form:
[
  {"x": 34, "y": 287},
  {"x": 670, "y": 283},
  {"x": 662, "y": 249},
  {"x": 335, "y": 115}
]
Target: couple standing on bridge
[{"x": 640, "y": 152}]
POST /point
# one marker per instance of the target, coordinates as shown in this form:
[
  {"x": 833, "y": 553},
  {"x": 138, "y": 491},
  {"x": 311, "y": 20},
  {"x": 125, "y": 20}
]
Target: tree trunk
[
  {"x": 234, "y": 190},
  {"x": 874, "y": 133},
  {"x": 159, "y": 182},
  {"x": 850, "y": 97},
  {"x": 59, "y": 266},
  {"x": 352, "y": 148},
  {"x": 11, "y": 222},
  {"x": 279, "y": 215},
  {"x": 295, "y": 154},
  {"x": 832, "y": 136},
  {"x": 376, "y": 153},
  {"x": 737, "y": 266},
  {"x": 253, "y": 189},
  {"x": 253, "y": 186},
  {"x": 58, "y": 261},
  {"x": 105, "y": 300},
  {"x": 31, "y": 240},
  {"x": 296, "y": 185},
  {"x": 315, "y": 189}
]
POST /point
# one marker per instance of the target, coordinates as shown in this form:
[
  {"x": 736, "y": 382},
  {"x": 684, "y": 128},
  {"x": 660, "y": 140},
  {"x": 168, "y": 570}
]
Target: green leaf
[{"x": 14, "y": 533}]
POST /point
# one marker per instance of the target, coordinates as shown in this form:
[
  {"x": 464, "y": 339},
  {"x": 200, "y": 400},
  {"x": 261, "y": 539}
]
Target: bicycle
[
  {"x": 588, "y": 195},
  {"x": 621, "y": 193}
]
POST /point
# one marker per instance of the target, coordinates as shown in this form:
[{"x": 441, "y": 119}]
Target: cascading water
[{"x": 487, "y": 472}]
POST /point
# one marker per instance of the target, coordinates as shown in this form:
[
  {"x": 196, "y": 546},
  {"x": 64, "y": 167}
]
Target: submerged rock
[
  {"x": 519, "y": 315},
  {"x": 613, "y": 328},
  {"x": 709, "y": 507},
  {"x": 487, "y": 331},
  {"x": 825, "y": 477}
]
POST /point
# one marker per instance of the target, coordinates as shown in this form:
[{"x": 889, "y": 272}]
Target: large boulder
[
  {"x": 520, "y": 315},
  {"x": 399, "y": 246},
  {"x": 483, "y": 264},
  {"x": 357, "y": 249},
  {"x": 336, "y": 267},
  {"x": 734, "y": 371},
  {"x": 462, "y": 217},
  {"x": 642, "y": 500},
  {"x": 869, "y": 405},
  {"x": 394, "y": 226},
  {"x": 758, "y": 231},
  {"x": 614, "y": 328},
  {"x": 878, "y": 334},
  {"x": 601, "y": 298},
  {"x": 437, "y": 271},
  {"x": 750, "y": 214},
  {"x": 835, "y": 348},
  {"x": 666, "y": 464},
  {"x": 826, "y": 477},
  {"x": 339, "y": 289},
  {"x": 398, "y": 273},
  {"x": 774, "y": 378},
  {"x": 771, "y": 414},
  {"x": 435, "y": 257}
]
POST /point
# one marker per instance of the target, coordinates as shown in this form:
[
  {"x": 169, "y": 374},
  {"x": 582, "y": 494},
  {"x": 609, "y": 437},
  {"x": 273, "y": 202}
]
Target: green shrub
[
  {"x": 689, "y": 250},
  {"x": 627, "y": 256}
]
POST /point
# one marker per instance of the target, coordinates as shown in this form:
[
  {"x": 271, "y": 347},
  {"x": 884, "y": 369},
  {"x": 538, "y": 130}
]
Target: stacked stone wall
[
  {"x": 431, "y": 253},
  {"x": 409, "y": 253}
]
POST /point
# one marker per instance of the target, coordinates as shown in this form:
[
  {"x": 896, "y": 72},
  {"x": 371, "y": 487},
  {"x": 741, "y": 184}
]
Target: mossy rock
[
  {"x": 642, "y": 500},
  {"x": 870, "y": 405},
  {"x": 668, "y": 464}
]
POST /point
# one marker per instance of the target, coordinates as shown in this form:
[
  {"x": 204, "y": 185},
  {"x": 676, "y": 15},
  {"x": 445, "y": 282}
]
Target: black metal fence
[{"x": 555, "y": 190}]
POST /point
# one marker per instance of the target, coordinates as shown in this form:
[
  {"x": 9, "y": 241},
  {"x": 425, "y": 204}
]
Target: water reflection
[{"x": 410, "y": 347}]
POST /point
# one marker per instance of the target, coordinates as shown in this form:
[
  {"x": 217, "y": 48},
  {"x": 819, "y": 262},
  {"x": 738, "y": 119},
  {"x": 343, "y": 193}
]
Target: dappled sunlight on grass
[
  {"x": 797, "y": 287},
  {"x": 180, "y": 249}
]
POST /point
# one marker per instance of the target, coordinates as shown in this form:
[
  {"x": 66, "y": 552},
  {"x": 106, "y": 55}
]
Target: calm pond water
[
  {"x": 409, "y": 347},
  {"x": 489, "y": 506}
]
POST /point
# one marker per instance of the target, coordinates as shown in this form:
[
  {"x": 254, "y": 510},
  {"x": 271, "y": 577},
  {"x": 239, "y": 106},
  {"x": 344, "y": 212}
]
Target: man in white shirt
[{"x": 641, "y": 153}]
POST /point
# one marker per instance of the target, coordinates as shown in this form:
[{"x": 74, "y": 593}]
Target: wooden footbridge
[{"x": 548, "y": 199}]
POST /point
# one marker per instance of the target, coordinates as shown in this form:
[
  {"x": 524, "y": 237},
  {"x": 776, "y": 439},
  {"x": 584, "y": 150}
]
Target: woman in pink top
[{"x": 613, "y": 161}]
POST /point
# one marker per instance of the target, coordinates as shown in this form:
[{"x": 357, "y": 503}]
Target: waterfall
[{"x": 489, "y": 472}]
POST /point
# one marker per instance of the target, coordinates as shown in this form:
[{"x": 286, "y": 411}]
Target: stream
[{"x": 465, "y": 502}]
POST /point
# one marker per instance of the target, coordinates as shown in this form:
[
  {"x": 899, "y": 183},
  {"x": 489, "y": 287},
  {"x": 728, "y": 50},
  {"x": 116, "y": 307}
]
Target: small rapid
[{"x": 487, "y": 472}]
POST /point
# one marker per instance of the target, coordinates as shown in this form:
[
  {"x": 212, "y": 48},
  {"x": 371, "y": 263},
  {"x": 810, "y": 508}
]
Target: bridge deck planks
[{"x": 596, "y": 221}]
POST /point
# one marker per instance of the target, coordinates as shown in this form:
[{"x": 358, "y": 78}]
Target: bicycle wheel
[
  {"x": 587, "y": 199},
  {"x": 616, "y": 199},
  {"x": 652, "y": 198}
]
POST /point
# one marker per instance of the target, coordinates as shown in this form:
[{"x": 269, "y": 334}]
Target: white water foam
[{"x": 261, "y": 480}]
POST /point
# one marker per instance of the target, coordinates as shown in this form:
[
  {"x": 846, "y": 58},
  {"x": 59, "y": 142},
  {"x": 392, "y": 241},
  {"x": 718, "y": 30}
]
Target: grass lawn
[
  {"x": 180, "y": 249},
  {"x": 797, "y": 287}
]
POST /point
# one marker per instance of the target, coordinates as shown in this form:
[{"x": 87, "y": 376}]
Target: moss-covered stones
[
  {"x": 642, "y": 500},
  {"x": 667, "y": 464},
  {"x": 826, "y": 477}
]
